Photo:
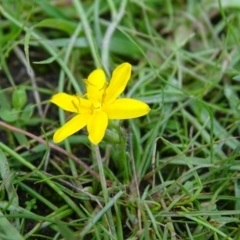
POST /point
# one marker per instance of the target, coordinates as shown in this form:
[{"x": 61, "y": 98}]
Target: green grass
[{"x": 174, "y": 174}]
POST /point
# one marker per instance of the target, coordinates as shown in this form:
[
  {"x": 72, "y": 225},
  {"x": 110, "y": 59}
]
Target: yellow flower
[{"x": 101, "y": 104}]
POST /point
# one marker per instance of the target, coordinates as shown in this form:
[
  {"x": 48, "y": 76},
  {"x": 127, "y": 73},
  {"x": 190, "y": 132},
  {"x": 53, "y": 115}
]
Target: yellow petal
[
  {"x": 72, "y": 126},
  {"x": 85, "y": 105},
  {"x": 96, "y": 84},
  {"x": 71, "y": 103},
  {"x": 66, "y": 102},
  {"x": 118, "y": 82},
  {"x": 97, "y": 126},
  {"x": 126, "y": 108},
  {"x": 97, "y": 78}
]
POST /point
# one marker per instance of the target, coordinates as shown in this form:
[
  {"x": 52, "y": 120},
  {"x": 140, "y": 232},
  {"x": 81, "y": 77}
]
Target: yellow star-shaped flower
[{"x": 100, "y": 104}]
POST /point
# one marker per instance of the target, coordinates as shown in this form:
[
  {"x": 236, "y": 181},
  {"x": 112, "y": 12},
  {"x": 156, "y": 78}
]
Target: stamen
[
  {"x": 104, "y": 85},
  {"x": 76, "y": 105}
]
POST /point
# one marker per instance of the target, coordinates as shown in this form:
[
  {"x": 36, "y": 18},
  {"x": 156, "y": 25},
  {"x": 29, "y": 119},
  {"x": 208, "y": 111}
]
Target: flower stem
[
  {"x": 123, "y": 159},
  {"x": 104, "y": 188},
  {"x": 101, "y": 173}
]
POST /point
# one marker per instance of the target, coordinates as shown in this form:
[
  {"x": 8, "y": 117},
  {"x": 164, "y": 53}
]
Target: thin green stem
[
  {"x": 123, "y": 156},
  {"x": 9, "y": 230},
  {"x": 101, "y": 173},
  {"x": 61, "y": 89},
  {"x": 104, "y": 188},
  {"x": 43, "y": 177},
  {"x": 44, "y": 44},
  {"x": 100, "y": 213},
  {"x": 87, "y": 29},
  {"x": 7, "y": 178},
  {"x": 110, "y": 30}
]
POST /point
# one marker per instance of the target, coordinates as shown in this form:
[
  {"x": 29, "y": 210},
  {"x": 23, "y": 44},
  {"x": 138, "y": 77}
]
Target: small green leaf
[
  {"x": 121, "y": 44},
  {"x": 9, "y": 115},
  {"x": 27, "y": 113},
  {"x": 22, "y": 139},
  {"x": 230, "y": 3},
  {"x": 19, "y": 98},
  {"x": 26, "y": 44},
  {"x": 49, "y": 9},
  {"x": 61, "y": 24},
  {"x": 237, "y": 78}
]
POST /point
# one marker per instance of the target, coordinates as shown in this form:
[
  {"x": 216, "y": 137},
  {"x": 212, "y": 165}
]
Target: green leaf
[
  {"x": 8, "y": 229},
  {"x": 60, "y": 24},
  {"x": 65, "y": 231},
  {"x": 9, "y": 115},
  {"x": 19, "y": 98},
  {"x": 26, "y": 44},
  {"x": 80, "y": 42},
  {"x": 237, "y": 78},
  {"x": 27, "y": 113},
  {"x": 230, "y": 3},
  {"x": 22, "y": 139},
  {"x": 50, "y": 9},
  {"x": 4, "y": 102},
  {"x": 120, "y": 44}
]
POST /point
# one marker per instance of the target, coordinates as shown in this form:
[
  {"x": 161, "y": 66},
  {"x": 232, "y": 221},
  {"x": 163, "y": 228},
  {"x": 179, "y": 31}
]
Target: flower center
[{"x": 96, "y": 107}]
